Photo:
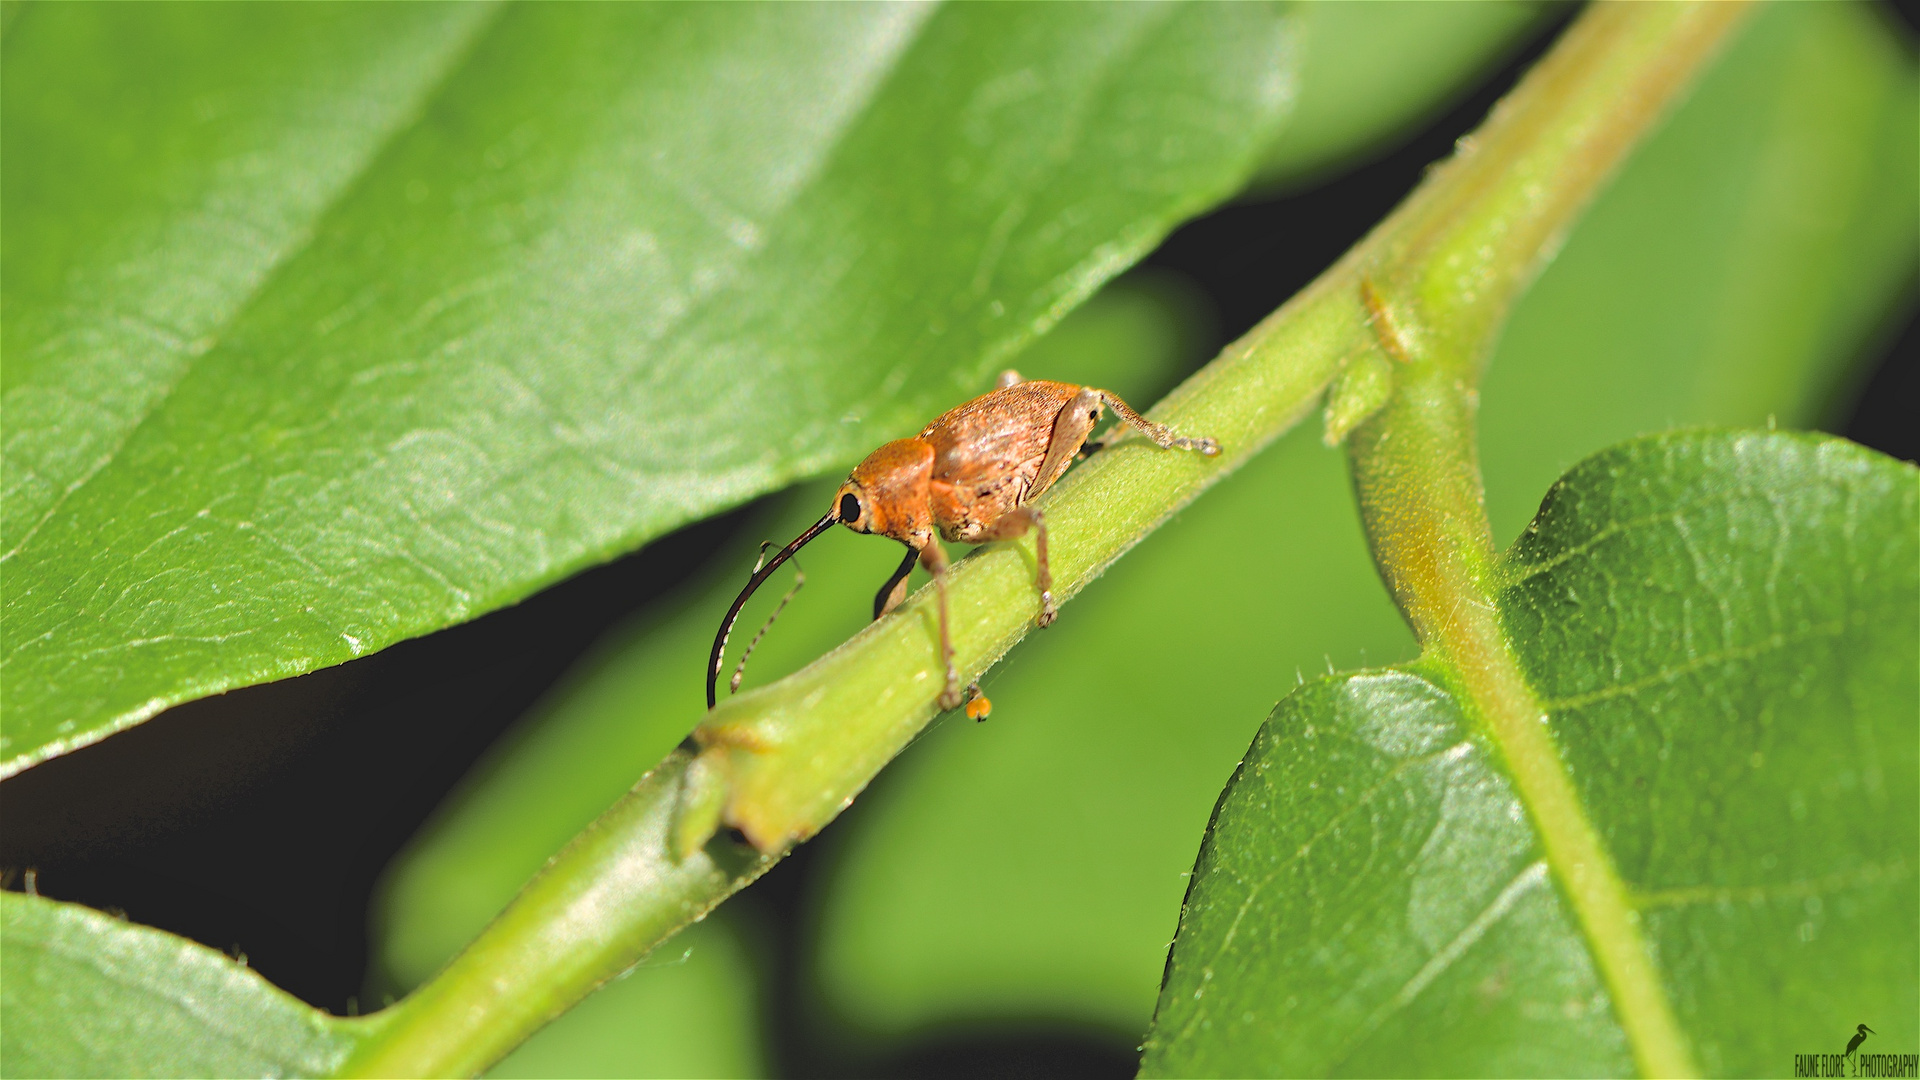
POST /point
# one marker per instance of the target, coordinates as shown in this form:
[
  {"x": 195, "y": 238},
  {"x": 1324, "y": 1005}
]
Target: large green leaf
[
  {"x": 606, "y": 270},
  {"x": 1038, "y": 863},
  {"x": 85, "y": 994},
  {"x": 1722, "y": 628},
  {"x": 160, "y": 165}
]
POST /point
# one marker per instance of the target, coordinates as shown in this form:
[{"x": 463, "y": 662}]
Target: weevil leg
[
  {"x": 934, "y": 558},
  {"x": 1042, "y": 573},
  {"x": 979, "y": 707},
  {"x": 1015, "y": 525},
  {"x": 895, "y": 590},
  {"x": 1008, "y": 378},
  {"x": 1161, "y": 434}
]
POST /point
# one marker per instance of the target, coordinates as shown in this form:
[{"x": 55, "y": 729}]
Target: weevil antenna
[
  {"x": 759, "y": 578},
  {"x": 799, "y": 581}
]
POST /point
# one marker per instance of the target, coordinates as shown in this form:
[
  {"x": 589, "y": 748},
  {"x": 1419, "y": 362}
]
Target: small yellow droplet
[{"x": 979, "y": 708}]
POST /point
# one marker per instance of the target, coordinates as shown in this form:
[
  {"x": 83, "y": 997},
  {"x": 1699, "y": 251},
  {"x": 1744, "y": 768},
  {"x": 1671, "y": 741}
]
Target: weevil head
[{"x": 888, "y": 493}]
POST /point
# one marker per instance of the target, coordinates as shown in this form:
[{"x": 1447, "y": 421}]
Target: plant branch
[
  {"x": 783, "y": 760},
  {"x": 594, "y": 911},
  {"x": 1439, "y": 301}
]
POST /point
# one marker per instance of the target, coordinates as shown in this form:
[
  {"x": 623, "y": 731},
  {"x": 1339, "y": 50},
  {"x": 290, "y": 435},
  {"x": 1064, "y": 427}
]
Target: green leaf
[
  {"x": 160, "y": 165},
  {"x": 603, "y": 271},
  {"x": 1722, "y": 627},
  {"x": 1036, "y": 863},
  {"x": 86, "y": 994}
]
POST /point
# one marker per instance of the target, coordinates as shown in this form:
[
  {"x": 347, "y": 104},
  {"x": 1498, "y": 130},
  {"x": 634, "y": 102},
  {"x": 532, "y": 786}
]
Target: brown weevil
[{"x": 971, "y": 476}]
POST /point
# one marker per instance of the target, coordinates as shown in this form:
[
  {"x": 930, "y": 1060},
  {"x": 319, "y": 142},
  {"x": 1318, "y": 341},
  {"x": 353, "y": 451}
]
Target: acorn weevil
[{"x": 972, "y": 475}]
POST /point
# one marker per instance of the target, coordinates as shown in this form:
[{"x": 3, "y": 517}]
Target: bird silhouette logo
[{"x": 1859, "y": 1036}]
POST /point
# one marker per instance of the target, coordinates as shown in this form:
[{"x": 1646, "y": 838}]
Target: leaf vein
[
  {"x": 1705, "y": 660},
  {"x": 1363, "y": 802},
  {"x": 1527, "y": 879},
  {"x": 1688, "y": 895}
]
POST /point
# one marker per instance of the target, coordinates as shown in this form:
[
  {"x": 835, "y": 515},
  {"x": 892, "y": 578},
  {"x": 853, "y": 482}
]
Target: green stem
[
  {"x": 598, "y": 908},
  {"x": 1439, "y": 301},
  {"x": 788, "y": 757}
]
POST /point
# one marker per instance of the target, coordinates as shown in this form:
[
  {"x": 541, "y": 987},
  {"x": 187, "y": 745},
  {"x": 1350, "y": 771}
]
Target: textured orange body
[
  {"x": 987, "y": 455},
  {"x": 971, "y": 477}
]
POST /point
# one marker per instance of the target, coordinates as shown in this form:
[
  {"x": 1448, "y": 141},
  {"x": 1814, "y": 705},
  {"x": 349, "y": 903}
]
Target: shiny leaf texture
[
  {"x": 86, "y": 994},
  {"x": 1722, "y": 627},
  {"x": 592, "y": 273}
]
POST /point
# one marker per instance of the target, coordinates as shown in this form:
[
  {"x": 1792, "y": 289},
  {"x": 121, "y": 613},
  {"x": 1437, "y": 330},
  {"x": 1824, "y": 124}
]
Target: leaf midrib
[{"x": 1493, "y": 684}]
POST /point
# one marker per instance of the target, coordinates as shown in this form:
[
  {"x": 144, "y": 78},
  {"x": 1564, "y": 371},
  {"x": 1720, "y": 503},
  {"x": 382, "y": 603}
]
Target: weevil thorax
[{"x": 887, "y": 494}]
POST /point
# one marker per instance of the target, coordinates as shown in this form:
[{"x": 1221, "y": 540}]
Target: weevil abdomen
[{"x": 988, "y": 454}]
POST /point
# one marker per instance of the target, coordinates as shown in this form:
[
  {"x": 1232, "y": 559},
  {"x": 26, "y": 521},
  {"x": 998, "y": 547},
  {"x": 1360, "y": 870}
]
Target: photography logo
[{"x": 1852, "y": 1062}]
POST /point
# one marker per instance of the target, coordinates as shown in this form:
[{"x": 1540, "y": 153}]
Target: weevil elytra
[{"x": 972, "y": 476}]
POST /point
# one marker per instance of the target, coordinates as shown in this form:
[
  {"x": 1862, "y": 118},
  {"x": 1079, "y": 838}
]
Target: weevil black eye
[
  {"x": 849, "y": 509},
  {"x": 1093, "y": 414}
]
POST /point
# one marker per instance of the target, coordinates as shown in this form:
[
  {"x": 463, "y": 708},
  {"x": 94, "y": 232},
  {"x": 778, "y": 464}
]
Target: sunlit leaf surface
[
  {"x": 585, "y": 274},
  {"x": 1369, "y": 70}
]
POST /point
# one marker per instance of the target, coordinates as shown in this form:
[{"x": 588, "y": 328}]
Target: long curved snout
[{"x": 759, "y": 578}]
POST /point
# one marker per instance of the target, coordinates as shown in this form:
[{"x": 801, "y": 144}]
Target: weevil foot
[
  {"x": 950, "y": 697},
  {"x": 978, "y": 706},
  {"x": 1047, "y": 611}
]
